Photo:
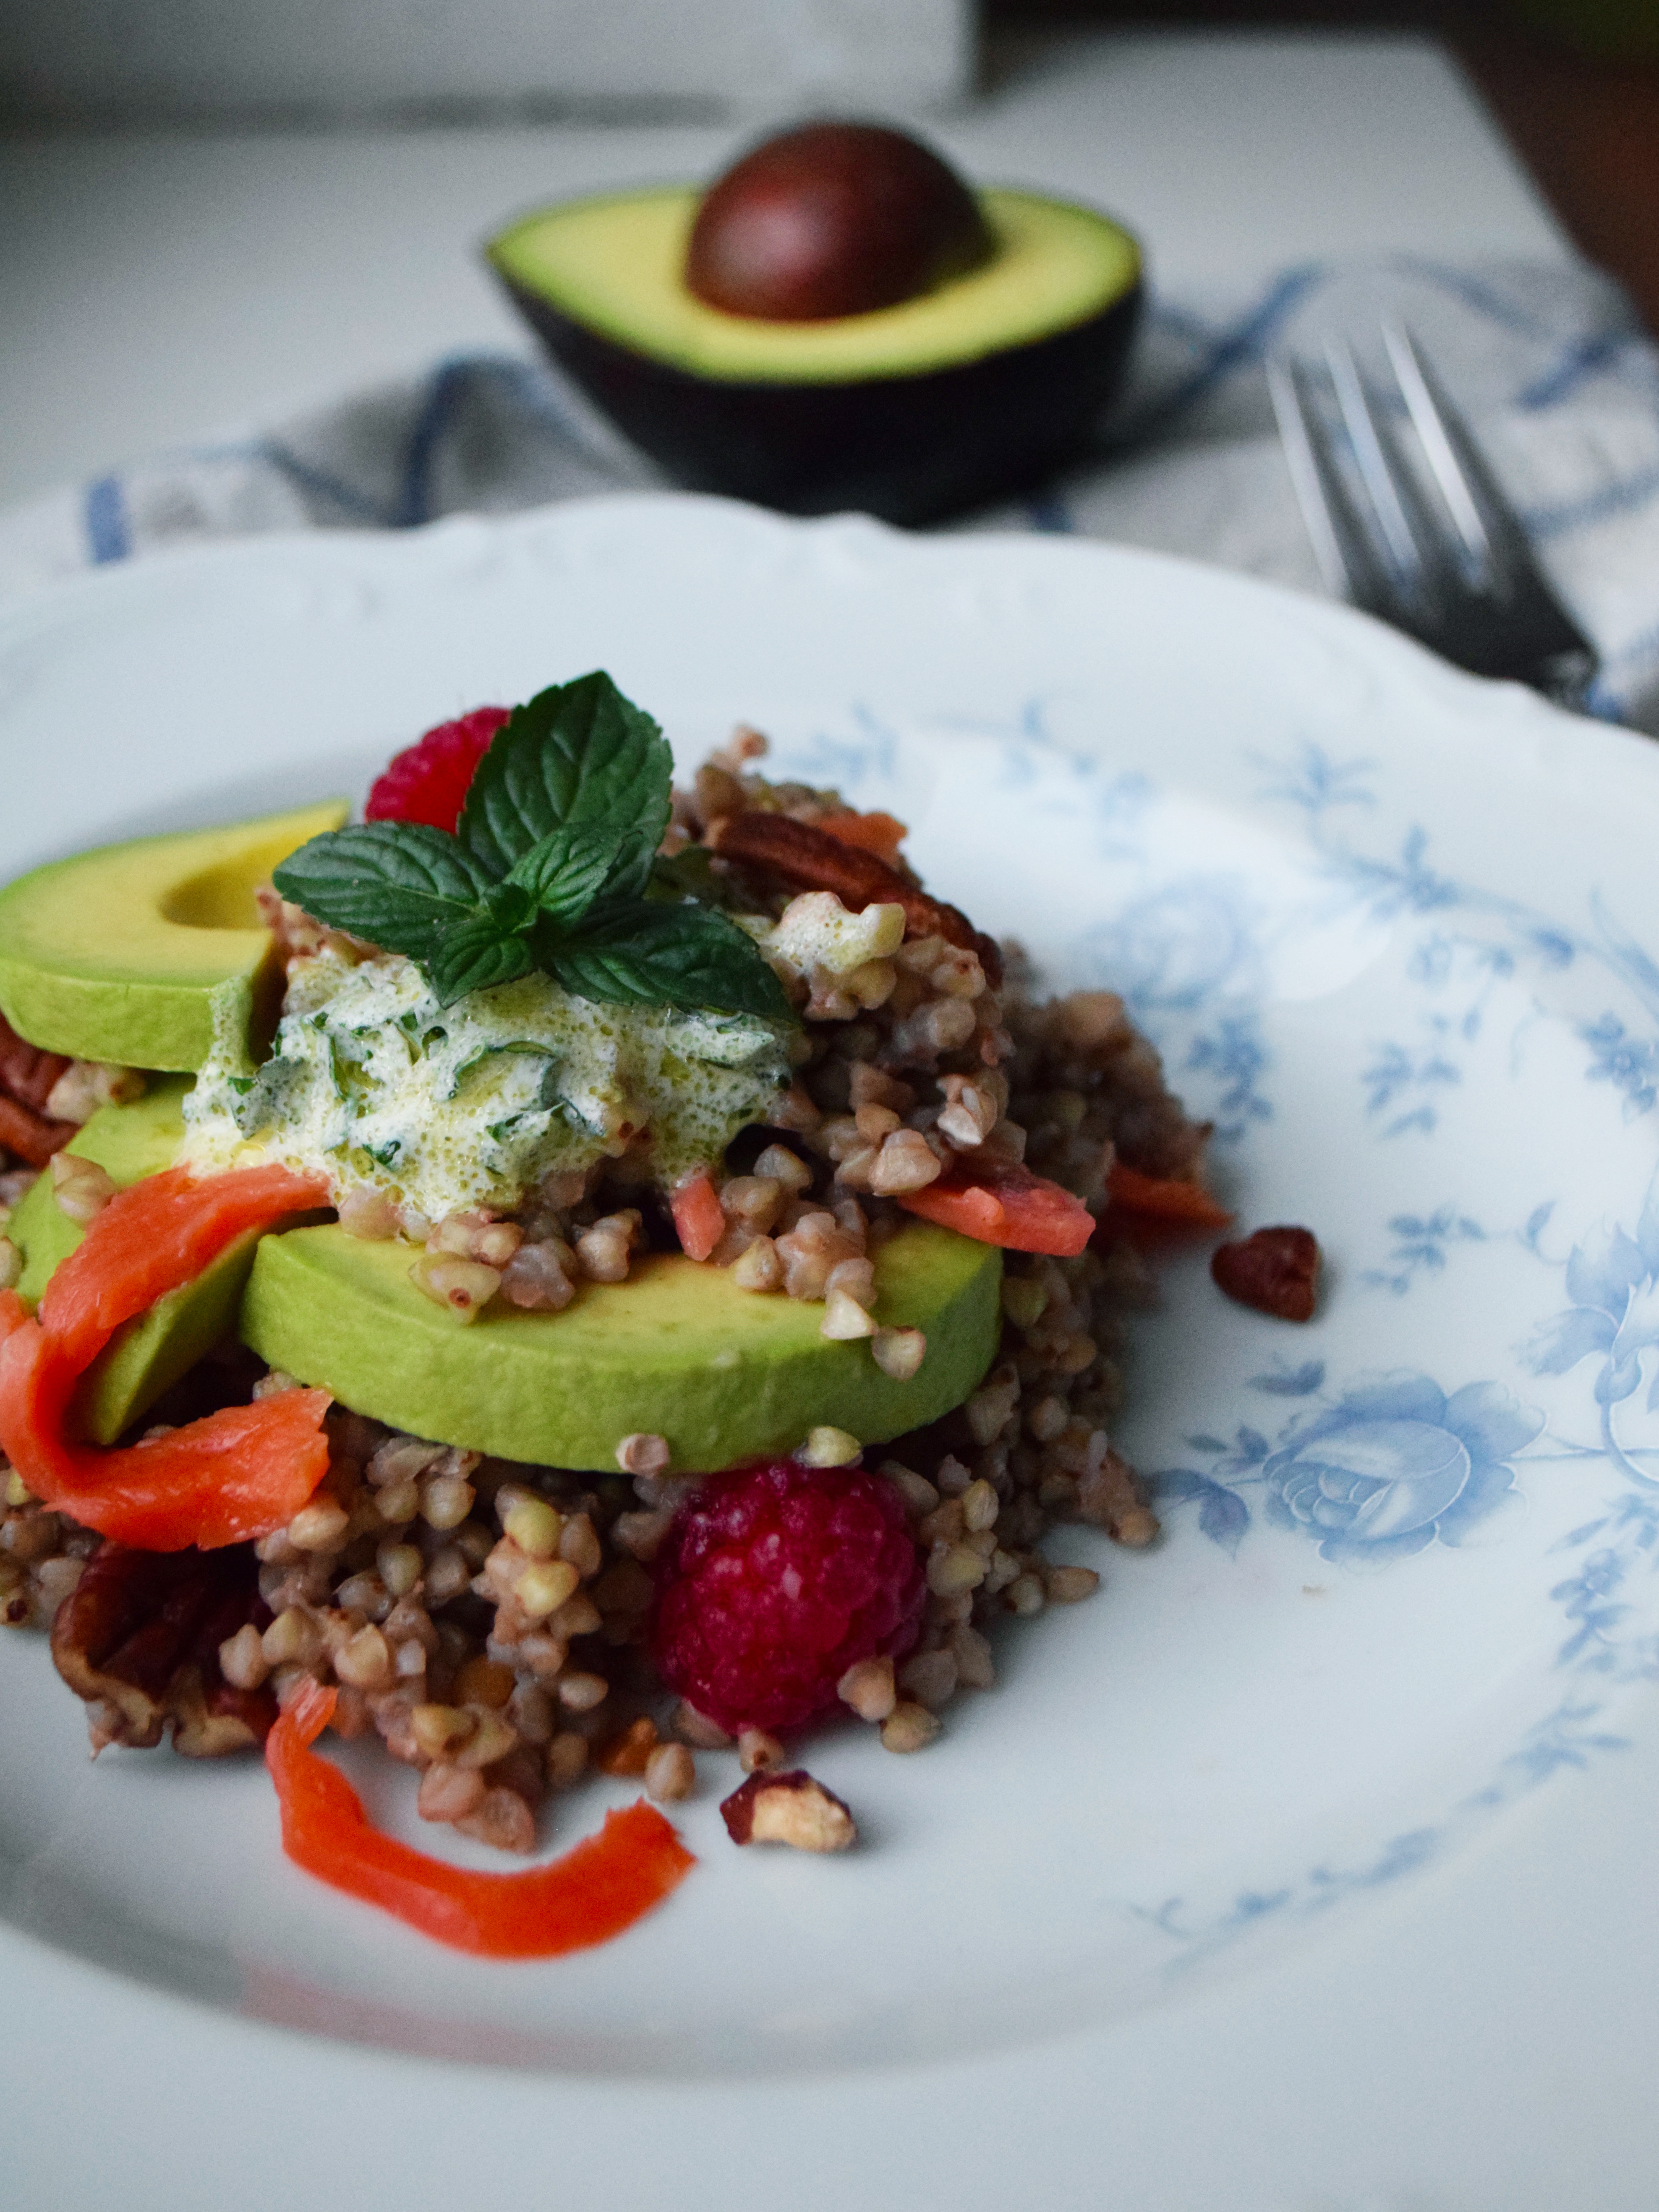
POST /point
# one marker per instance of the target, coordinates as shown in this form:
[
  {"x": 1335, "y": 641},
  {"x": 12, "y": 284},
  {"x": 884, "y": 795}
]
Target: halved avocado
[
  {"x": 910, "y": 412},
  {"x": 149, "y": 953},
  {"x": 677, "y": 1351}
]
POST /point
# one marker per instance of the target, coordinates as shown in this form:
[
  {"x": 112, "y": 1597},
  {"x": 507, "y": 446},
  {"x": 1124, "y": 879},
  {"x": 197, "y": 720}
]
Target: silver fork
[{"x": 1435, "y": 549}]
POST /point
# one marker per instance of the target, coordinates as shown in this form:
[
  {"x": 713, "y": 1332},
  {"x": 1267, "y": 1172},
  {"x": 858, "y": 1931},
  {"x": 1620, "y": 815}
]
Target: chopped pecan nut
[
  {"x": 212, "y": 1715},
  {"x": 1276, "y": 1271},
  {"x": 211, "y": 1721},
  {"x": 27, "y": 1074},
  {"x": 813, "y": 860},
  {"x": 139, "y": 1637},
  {"x": 788, "y": 1808},
  {"x": 30, "y": 1136}
]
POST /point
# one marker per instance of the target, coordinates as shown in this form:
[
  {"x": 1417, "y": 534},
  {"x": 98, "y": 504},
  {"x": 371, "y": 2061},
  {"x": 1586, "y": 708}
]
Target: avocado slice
[
  {"x": 148, "y": 1354},
  {"x": 679, "y": 1351},
  {"x": 149, "y": 954},
  {"x": 127, "y": 1142},
  {"x": 909, "y": 413}
]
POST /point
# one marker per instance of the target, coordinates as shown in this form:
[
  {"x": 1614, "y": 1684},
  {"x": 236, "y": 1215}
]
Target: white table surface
[{"x": 158, "y": 286}]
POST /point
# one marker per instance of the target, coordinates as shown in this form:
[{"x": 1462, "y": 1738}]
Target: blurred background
[
  {"x": 242, "y": 285},
  {"x": 1573, "y": 83}
]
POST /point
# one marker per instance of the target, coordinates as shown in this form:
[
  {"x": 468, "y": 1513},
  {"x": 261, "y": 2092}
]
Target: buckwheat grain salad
[{"x": 735, "y": 1040}]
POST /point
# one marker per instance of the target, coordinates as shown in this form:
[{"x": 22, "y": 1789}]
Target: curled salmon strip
[{"x": 240, "y": 1472}]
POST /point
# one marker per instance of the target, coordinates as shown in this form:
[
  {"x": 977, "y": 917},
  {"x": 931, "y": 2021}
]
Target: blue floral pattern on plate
[
  {"x": 1371, "y": 1471},
  {"x": 1393, "y": 1465},
  {"x": 1394, "y": 932}
]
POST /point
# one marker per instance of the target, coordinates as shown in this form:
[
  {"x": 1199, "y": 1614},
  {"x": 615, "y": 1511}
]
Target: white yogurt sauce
[{"x": 451, "y": 1108}]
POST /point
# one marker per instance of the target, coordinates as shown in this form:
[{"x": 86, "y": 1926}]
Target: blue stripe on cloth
[
  {"x": 1584, "y": 355},
  {"x": 1601, "y": 505},
  {"x": 534, "y": 389},
  {"x": 1582, "y": 358},
  {"x": 1185, "y": 323},
  {"x": 104, "y": 515},
  {"x": 1246, "y": 339},
  {"x": 1477, "y": 293},
  {"x": 1603, "y": 704},
  {"x": 1608, "y": 699},
  {"x": 318, "y": 483},
  {"x": 448, "y": 387},
  {"x": 1222, "y": 349},
  {"x": 1048, "y": 513},
  {"x": 528, "y": 389},
  {"x": 527, "y": 386}
]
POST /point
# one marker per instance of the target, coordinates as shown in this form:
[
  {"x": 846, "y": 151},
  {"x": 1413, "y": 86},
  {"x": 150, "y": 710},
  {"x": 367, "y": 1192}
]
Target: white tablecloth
[{"x": 1546, "y": 359}]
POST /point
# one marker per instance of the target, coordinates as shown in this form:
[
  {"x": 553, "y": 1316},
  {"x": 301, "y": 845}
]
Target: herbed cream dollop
[{"x": 448, "y": 1109}]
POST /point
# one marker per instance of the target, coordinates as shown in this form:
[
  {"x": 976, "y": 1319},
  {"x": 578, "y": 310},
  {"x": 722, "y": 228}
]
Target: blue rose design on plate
[{"x": 1396, "y": 1463}]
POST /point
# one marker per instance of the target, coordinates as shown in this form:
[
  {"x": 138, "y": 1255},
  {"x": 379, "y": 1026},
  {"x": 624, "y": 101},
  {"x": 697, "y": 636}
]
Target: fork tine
[
  {"x": 1303, "y": 460},
  {"x": 1563, "y": 659},
  {"x": 1404, "y": 553},
  {"x": 1456, "y": 571},
  {"x": 1428, "y": 419},
  {"x": 1512, "y": 570},
  {"x": 1343, "y": 543},
  {"x": 1446, "y": 574}
]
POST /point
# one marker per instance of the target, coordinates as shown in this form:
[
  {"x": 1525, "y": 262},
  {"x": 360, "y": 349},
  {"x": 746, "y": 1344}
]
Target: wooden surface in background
[{"x": 1587, "y": 129}]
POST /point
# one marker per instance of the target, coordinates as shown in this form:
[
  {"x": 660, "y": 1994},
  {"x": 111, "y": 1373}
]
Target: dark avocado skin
[{"x": 908, "y": 449}]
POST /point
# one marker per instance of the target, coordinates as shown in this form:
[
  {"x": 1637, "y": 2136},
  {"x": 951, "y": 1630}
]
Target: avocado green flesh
[
  {"x": 148, "y": 1354},
  {"x": 127, "y": 1142},
  {"x": 677, "y": 1351},
  {"x": 147, "y": 954},
  {"x": 614, "y": 265}
]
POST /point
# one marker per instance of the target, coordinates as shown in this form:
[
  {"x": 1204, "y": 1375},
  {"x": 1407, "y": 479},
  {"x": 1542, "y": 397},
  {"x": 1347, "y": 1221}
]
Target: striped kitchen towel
[{"x": 1547, "y": 360}]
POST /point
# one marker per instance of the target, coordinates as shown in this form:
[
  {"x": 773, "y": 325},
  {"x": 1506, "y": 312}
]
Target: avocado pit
[{"x": 832, "y": 218}]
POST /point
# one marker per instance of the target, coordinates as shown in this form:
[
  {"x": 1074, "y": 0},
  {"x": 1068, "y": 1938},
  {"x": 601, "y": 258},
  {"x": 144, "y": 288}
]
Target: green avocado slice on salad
[{"x": 154, "y": 953}]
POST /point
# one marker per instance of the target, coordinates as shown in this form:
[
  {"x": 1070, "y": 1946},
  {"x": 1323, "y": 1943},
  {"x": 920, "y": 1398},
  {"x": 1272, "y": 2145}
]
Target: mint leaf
[
  {"x": 474, "y": 956},
  {"x": 641, "y": 955},
  {"x": 510, "y": 907},
  {"x": 688, "y": 874},
  {"x": 555, "y": 866},
  {"x": 400, "y": 884},
  {"x": 576, "y": 752},
  {"x": 564, "y": 873}
]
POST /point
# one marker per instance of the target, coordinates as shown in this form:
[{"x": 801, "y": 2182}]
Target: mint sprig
[
  {"x": 400, "y": 883},
  {"x": 553, "y": 866},
  {"x": 578, "y": 753},
  {"x": 661, "y": 956},
  {"x": 563, "y": 874}
]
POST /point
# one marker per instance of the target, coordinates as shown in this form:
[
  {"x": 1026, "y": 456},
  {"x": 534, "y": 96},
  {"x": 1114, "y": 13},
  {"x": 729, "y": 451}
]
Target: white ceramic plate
[{"x": 1395, "y": 931}]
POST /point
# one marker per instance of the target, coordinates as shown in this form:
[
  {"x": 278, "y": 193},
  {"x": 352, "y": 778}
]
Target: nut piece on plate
[
  {"x": 139, "y": 1639},
  {"x": 788, "y": 1808},
  {"x": 1276, "y": 1271}
]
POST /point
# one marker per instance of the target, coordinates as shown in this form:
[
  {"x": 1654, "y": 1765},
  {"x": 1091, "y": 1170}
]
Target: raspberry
[
  {"x": 428, "y": 781},
  {"x": 773, "y": 1580}
]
